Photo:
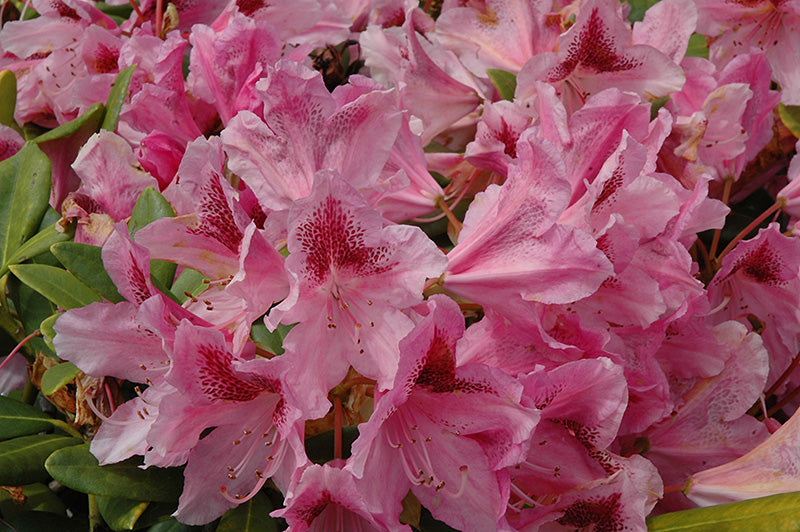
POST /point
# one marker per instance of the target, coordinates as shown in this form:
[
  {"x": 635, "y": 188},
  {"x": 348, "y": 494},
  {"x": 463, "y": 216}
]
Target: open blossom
[
  {"x": 349, "y": 279},
  {"x": 445, "y": 430}
]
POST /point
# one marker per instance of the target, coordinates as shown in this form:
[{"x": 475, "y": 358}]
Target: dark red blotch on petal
[
  {"x": 593, "y": 48},
  {"x": 603, "y": 513},
  {"x": 763, "y": 265},
  {"x": 332, "y": 239}
]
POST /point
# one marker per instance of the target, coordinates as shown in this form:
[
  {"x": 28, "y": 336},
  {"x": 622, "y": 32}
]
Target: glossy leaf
[
  {"x": 190, "y": 281},
  {"x": 151, "y": 206},
  {"x": 78, "y": 469},
  {"x": 126, "y": 514},
  {"x": 32, "y": 309},
  {"x": 504, "y": 82},
  {"x": 121, "y": 514},
  {"x": 22, "y": 459},
  {"x": 251, "y": 516},
  {"x": 85, "y": 262},
  {"x": 58, "y": 376},
  {"x": 57, "y": 285},
  {"x": 777, "y": 513},
  {"x": 319, "y": 448},
  {"x": 47, "y": 330},
  {"x": 269, "y": 341},
  {"x": 38, "y": 498},
  {"x": 8, "y": 97},
  {"x": 24, "y": 196},
  {"x": 37, "y": 245},
  {"x": 117, "y": 96},
  {"x": 173, "y": 525},
  {"x": 91, "y": 120},
  {"x": 790, "y": 116},
  {"x": 20, "y": 419}
]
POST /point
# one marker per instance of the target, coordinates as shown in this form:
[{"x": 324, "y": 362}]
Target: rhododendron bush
[{"x": 388, "y": 265}]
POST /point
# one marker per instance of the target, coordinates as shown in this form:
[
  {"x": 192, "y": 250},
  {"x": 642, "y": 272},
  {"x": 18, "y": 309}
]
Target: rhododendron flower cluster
[{"x": 389, "y": 265}]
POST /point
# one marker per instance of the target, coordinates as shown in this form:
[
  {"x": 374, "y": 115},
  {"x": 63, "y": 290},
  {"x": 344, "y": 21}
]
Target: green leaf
[
  {"x": 269, "y": 341},
  {"x": 22, "y": 459},
  {"x": 8, "y": 98},
  {"x": 38, "y": 498},
  {"x": 37, "y": 245},
  {"x": 117, "y": 96},
  {"x": 790, "y": 116},
  {"x": 32, "y": 309},
  {"x": 172, "y": 525},
  {"x": 20, "y": 419},
  {"x": 190, "y": 281},
  {"x": 57, "y": 285},
  {"x": 698, "y": 46},
  {"x": 58, "y": 376},
  {"x": 151, "y": 206},
  {"x": 90, "y": 120},
  {"x": 78, "y": 469},
  {"x": 504, "y": 82},
  {"x": 251, "y": 516},
  {"x": 777, "y": 513},
  {"x": 24, "y": 196},
  {"x": 639, "y": 8},
  {"x": 319, "y": 448},
  {"x": 121, "y": 514},
  {"x": 35, "y": 521},
  {"x": 85, "y": 262},
  {"x": 47, "y": 330}
]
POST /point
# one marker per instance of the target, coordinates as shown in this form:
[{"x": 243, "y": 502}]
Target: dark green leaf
[
  {"x": 38, "y": 498},
  {"x": 190, "y": 281},
  {"x": 8, "y": 97},
  {"x": 37, "y": 245},
  {"x": 698, "y": 46},
  {"x": 89, "y": 120},
  {"x": 38, "y": 521},
  {"x": 790, "y": 116},
  {"x": 20, "y": 419},
  {"x": 22, "y": 459},
  {"x": 319, "y": 448},
  {"x": 121, "y": 514},
  {"x": 24, "y": 196},
  {"x": 85, "y": 262},
  {"x": 123, "y": 11},
  {"x": 57, "y": 285},
  {"x": 428, "y": 524},
  {"x": 151, "y": 206},
  {"x": 127, "y": 514},
  {"x": 639, "y": 8},
  {"x": 117, "y": 96},
  {"x": 777, "y": 513},
  {"x": 657, "y": 104},
  {"x": 173, "y": 525},
  {"x": 251, "y": 516},
  {"x": 58, "y": 376},
  {"x": 78, "y": 469},
  {"x": 504, "y": 82}
]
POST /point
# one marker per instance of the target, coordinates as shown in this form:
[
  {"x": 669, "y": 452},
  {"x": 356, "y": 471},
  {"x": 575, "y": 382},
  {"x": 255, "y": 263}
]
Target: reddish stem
[
  {"x": 24, "y": 341},
  {"x": 746, "y": 231},
  {"x": 159, "y": 16}
]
